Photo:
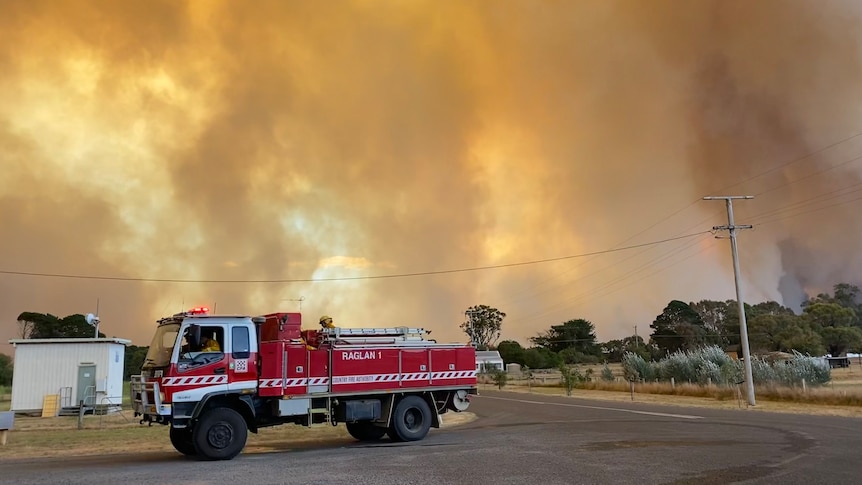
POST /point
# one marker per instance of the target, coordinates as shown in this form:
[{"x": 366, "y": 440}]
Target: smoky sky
[{"x": 317, "y": 140}]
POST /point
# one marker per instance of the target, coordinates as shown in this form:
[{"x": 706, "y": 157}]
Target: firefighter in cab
[
  {"x": 326, "y": 322},
  {"x": 209, "y": 344}
]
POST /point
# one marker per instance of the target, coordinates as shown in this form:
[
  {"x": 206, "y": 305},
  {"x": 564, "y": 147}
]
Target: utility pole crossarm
[
  {"x": 727, "y": 197},
  {"x": 743, "y": 326},
  {"x": 727, "y": 228}
]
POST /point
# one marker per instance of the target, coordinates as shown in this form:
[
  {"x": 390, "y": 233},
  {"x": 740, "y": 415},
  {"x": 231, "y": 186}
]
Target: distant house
[
  {"x": 513, "y": 368},
  {"x": 777, "y": 357},
  {"x": 488, "y": 361},
  {"x": 734, "y": 351},
  {"x": 75, "y": 370},
  {"x": 838, "y": 362}
]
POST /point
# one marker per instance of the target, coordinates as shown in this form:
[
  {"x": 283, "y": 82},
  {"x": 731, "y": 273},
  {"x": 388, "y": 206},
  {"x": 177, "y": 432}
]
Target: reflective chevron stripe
[
  {"x": 410, "y": 376},
  {"x": 194, "y": 380}
]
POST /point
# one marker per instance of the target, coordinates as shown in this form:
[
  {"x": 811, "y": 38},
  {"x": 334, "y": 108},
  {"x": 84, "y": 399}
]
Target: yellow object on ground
[{"x": 51, "y": 406}]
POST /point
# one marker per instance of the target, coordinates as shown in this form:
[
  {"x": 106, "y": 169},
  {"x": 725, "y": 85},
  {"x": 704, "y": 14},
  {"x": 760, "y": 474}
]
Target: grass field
[
  {"x": 119, "y": 433},
  {"x": 5, "y": 398},
  {"x": 843, "y": 395}
]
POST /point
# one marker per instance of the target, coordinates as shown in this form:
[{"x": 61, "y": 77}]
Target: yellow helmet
[{"x": 326, "y": 322}]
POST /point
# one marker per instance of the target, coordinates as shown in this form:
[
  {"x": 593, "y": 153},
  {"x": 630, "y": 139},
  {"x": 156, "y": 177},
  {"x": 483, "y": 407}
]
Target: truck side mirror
[{"x": 193, "y": 335}]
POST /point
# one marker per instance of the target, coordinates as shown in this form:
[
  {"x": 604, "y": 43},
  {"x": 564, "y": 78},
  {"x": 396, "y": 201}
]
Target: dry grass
[
  {"x": 842, "y": 396},
  {"x": 113, "y": 434},
  {"x": 692, "y": 401}
]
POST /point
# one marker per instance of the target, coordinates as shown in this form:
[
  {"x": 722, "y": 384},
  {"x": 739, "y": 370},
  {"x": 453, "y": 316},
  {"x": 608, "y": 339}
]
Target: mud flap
[
  {"x": 435, "y": 415},
  {"x": 387, "y": 407}
]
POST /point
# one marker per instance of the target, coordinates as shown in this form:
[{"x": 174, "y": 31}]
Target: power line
[
  {"x": 807, "y": 176},
  {"x": 573, "y": 301},
  {"x": 652, "y": 263},
  {"x": 526, "y": 293},
  {"x": 838, "y": 193},
  {"x": 761, "y": 174},
  {"x": 811, "y": 201},
  {"x": 770, "y": 221},
  {"x": 804, "y": 157},
  {"x": 595, "y": 294},
  {"x": 775, "y": 168},
  {"x": 756, "y": 223},
  {"x": 766, "y": 217},
  {"x": 350, "y": 278}
]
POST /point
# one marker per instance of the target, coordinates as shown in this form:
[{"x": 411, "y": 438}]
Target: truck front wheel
[
  {"x": 411, "y": 419},
  {"x": 220, "y": 434},
  {"x": 181, "y": 438},
  {"x": 365, "y": 431}
]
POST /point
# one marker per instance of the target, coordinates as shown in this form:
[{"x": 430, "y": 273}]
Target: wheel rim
[
  {"x": 413, "y": 419},
  {"x": 459, "y": 400},
  {"x": 220, "y": 435}
]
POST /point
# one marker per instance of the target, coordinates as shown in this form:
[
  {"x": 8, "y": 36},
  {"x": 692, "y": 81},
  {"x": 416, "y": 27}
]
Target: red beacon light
[{"x": 199, "y": 310}]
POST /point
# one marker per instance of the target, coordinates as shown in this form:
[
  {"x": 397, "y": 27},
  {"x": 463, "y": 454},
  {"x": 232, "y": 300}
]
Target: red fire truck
[{"x": 264, "y": 370}]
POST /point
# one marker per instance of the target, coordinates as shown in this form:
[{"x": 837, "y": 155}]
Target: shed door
[{"x": 86, "y": 384}]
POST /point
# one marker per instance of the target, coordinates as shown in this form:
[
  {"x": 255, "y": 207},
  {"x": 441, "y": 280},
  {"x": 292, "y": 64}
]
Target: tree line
[
  {"x": 829, "y": 323},
  {"x": 5, "y": 370},
  {"x": 45, "y": 325}
]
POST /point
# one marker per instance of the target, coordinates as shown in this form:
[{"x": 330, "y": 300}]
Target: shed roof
[
  {"x": 122, "y": 341},
  {"x": 487, "y": 355}
]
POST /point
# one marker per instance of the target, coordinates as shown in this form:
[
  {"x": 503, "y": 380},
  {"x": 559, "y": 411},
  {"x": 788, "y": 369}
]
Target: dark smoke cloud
[{"x": 294, "y": 140}]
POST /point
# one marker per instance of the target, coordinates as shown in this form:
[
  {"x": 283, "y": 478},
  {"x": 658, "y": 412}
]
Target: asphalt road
[{"x": 524, "y": 439}]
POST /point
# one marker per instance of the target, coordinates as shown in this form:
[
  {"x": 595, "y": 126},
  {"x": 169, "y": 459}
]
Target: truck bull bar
[{"x": 147, "y": 400}]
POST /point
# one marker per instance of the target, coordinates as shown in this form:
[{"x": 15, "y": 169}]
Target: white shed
[
  {"x": 488, "y": 360},
  {"x": 75, "y": 369}
]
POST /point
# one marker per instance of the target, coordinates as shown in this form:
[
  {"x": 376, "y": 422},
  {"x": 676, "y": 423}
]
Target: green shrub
[
  {"x": 711, "y": 365},
  {"x": 570, "y": 377},
  {"x": 500, "y": 378},
  {"x": 813, "y": 370},
  {"x": 636, "y": 368},
  {"x": 607, "y": 373}
]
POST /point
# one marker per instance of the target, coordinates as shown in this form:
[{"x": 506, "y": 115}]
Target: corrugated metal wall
[{"x": 45, "y": 368}]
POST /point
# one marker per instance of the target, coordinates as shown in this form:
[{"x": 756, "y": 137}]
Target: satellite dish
[{"x": 92, "y": 319}]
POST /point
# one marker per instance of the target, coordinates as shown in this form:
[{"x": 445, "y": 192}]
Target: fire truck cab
[{"x": 213, "y": 378}]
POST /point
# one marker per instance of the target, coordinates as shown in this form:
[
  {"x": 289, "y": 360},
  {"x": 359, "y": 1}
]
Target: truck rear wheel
[
  {"x": 411, "y": 419},
  {"x": 365, "y": 431},
  {"x": 220, "y": 434},
  {"x": 181, "y": 438}
]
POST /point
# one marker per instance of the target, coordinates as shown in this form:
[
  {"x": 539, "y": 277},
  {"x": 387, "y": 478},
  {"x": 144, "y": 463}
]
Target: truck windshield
[{"x": 162, "y": 346}]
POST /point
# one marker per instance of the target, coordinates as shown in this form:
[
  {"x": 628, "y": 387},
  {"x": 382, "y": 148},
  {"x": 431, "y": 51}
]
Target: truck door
[
  {"x": 202, "y": 363},
  {"x": 242, "y": 356}
]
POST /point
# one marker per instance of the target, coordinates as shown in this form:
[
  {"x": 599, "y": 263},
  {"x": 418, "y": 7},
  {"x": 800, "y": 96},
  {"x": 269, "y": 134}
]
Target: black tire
[
  {"x": 411, "y": 420},
  {"x": 220, "y": 434},
  {"x": 365, "y": 431},
  {"x": 181, "y": 438}
]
